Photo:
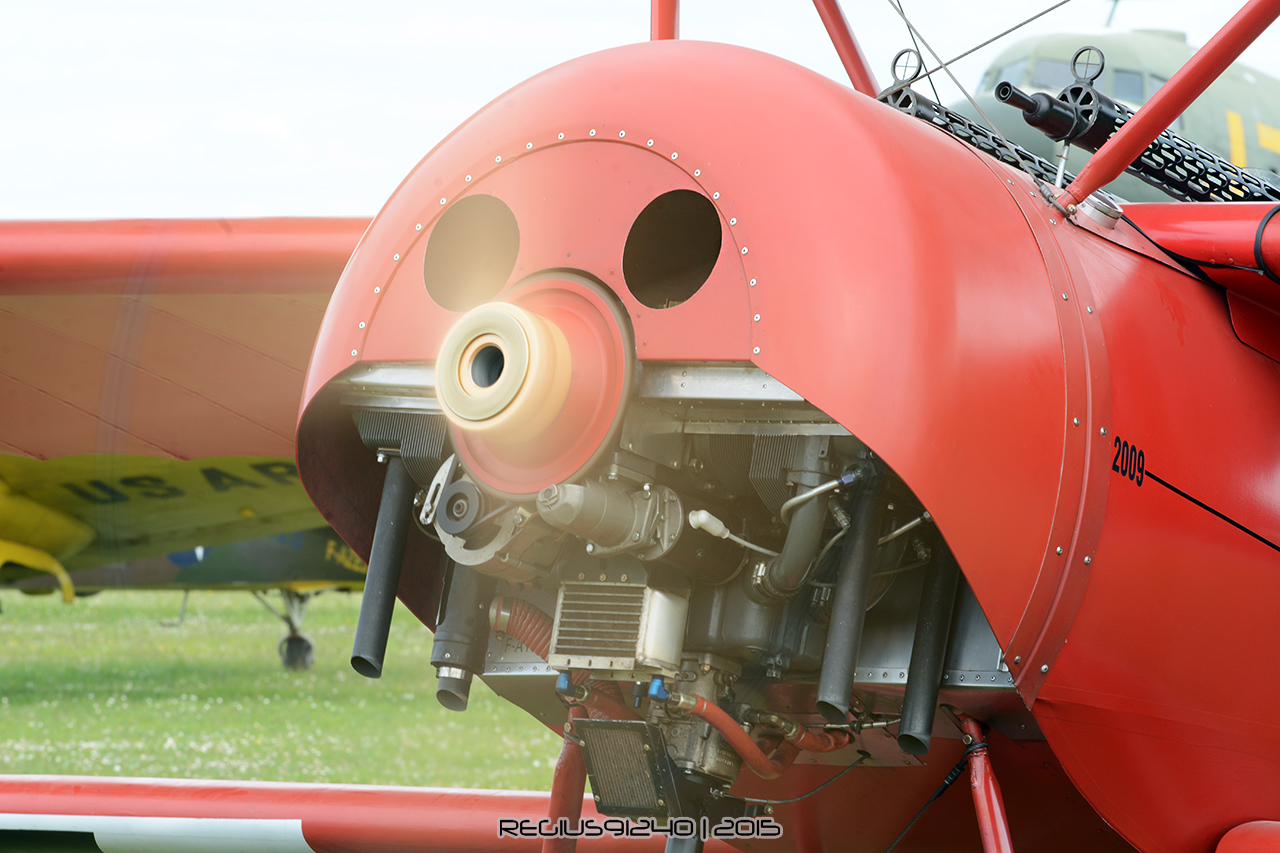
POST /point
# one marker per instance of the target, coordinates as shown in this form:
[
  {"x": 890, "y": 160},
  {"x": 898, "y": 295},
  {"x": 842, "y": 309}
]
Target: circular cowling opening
[
  {"x": 672, "y": 248},
  {"x": 486, "y": 367},
  {"x": 471, "y": 252}
]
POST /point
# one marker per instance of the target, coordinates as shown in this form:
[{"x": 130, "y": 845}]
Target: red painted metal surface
[
  {"x": 847, "y": 47},
  {"x": 1260, "y": 836},
  {"x": 335, "y": 819},
  {"x": 987, "y": 801},
  {"x": 1223, "y": 237},
  {"x": 1172, "y": 98},
  {"x": 1078, "y": 416},
  {"x": 664, "y": 19}
]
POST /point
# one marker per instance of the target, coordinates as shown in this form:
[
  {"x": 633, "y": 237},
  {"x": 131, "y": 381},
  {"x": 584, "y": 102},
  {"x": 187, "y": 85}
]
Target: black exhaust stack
[
  {"x": 849, "y": 602},
  {"x": 395, "y": 517},
  {"x": 929, "y": 651},
  {"x": 462, "y": 634}
]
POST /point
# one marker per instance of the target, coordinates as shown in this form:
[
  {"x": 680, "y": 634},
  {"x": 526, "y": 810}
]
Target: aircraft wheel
[{"x": 297, "y": 652}]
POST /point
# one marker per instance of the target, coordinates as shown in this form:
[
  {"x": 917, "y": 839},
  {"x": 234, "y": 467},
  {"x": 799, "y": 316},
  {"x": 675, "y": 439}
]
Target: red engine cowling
[{"x": 1073, "y": 410}]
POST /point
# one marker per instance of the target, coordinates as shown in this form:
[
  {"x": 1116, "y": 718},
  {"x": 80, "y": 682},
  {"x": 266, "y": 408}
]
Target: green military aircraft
[{"x": 1238, "y": 116}]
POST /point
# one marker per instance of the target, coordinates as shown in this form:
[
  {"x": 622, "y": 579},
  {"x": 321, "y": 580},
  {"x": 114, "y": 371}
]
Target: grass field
[{"x": 102, "y": 687}]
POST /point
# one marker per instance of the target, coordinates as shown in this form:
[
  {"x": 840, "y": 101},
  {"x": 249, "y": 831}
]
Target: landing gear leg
[
  {"x": 987, "y": 800},
  {"x": 567, "y": 787},
  {"x": 296, "y": 649}
]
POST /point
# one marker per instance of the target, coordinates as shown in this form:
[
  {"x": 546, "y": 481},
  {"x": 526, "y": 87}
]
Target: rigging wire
[
  {"x": 945, "y": 66},
  {"x": 916, "y": 44}
]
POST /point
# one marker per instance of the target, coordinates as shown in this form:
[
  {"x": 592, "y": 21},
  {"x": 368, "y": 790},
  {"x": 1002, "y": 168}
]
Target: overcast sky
[{"x": 256, "y": 108}]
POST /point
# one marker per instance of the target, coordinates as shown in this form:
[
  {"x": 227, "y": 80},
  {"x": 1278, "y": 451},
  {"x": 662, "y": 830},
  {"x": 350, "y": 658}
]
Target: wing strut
[
  {"x": 1174, "y": 97},
  {"x": 851, "y": 55}
]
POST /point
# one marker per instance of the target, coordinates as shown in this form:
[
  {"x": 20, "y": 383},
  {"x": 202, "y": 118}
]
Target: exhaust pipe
[
  {"x": 462, "y": 634},
  {"x": 383, "y": 579},
  {"x": 849, "y": 602},
  {"x": 929, "y": 651}
]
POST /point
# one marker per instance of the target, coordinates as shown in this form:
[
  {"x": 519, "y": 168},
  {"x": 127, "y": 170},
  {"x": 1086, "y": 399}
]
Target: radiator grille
[
  {"x": 623, "y": 777},
  {"x": 600, "y": 623}
]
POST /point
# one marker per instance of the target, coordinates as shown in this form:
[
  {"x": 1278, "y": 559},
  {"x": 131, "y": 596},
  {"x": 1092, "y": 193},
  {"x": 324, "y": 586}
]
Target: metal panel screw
[
  {"x": 561, "y": 136},
  {"x": 362, "y": 324},
  {"x": 498, "y": 159},
  {"x": 1088, "y": 560},
  {"x": 1017, "y": 659},
  {"x": 1064, "y": 297},
  {"x": 353, "y": 353},
  {"x": 1053, "y": 222},
  {"x": 593, "y": 131},
  {"x": 715, "y": 195},
  {"x": 1075, "y": 421},
  {"x": 744, "y": 250},
  {"x": 756, "y": 350},
  {"x": 697, "y": 172},
  {"x": 377, "y": 290},
  {"x": 1059, "y": 550},
  {"x": 1044, "y": 667},
  {"x": 622, "y": 134},
  {"x": 528, "y": 146},
  {"x": 418, "y": 227},
  {"x": 1104, "y": 430},
  {"x": 757, "y": 318},
  {"x": 468, "y": 179},
  {"x": 650, "y": 143},
  {"x": 1089, "y": 308},
  {"x": 395, "y": 257},
  {"x": 753, "y": 282},
  {"x": 442, "y": 201},
  {"x": 675, "y": 155}
]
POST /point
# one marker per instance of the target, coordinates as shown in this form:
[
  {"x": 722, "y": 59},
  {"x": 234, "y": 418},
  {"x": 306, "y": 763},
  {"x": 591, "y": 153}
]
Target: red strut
[
  {"x": 987, "y": 801},
  {"x": 846, "y": 45},
  {"x": 664, "y": 19},
  {"x": 567, "y": 787},
  {"x": 1174, "y": 97}
]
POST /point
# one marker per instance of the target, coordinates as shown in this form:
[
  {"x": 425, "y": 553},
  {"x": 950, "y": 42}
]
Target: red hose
[
  {"x": 764, "y": 767},
  {"x": 818, "y": 740},
  {"x": 527, "y": 623}
]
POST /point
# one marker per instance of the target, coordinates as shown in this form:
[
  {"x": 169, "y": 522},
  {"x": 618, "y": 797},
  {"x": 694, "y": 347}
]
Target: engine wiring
[{"x": 863, "y": 755}]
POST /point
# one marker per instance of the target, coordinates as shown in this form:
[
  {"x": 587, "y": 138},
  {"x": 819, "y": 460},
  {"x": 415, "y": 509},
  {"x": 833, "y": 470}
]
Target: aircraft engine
[{"x": 774, "y": 427}]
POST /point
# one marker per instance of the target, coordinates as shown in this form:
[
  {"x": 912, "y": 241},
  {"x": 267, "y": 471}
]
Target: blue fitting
[
  {"x": 848, "y": 478},
  {"x": 564, "y": 684},
  {"x": 658, "y": 690}
]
